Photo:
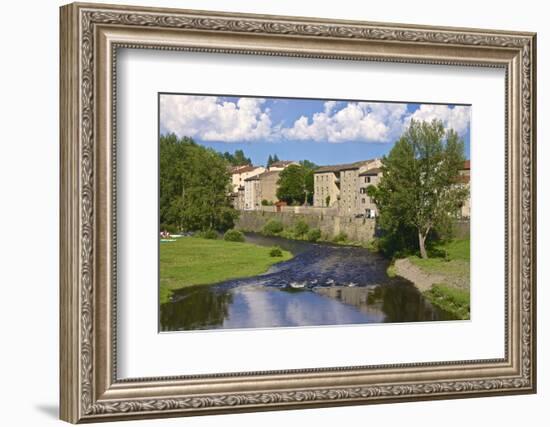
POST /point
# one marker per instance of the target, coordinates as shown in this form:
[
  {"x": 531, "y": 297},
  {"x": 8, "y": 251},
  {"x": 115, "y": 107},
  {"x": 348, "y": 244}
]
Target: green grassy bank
[
  {"x": 195, "y": 261},
  {"x": 450, "y": 299},
  {"x": 452, "y": 261},
  {"x": 447, "y": 268}
]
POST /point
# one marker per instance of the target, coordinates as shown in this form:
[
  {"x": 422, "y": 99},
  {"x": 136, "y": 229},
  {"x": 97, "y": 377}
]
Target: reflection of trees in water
[
  {"x": 403, "y": 303},
  {"x": 196, "y": 307},
  {"x": 395, "y": 302}
]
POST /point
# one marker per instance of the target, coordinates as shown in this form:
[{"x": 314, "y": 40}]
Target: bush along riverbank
[
  {"x": 205, "y": 260},
  {"x": 443, "y": 278},
  {"x": 302, "y": 231}
]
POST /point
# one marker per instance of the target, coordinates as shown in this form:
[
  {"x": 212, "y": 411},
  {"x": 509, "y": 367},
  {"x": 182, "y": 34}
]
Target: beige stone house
[
  {"x": 268, "y": 186},
  {"x": 339, "y": 186},
  {"x": 240, "y": 173},
  {"x": 365, "y": 179},
  {"x": 238, "y": 176},
  {"x": 251, "y": 192},
  {"x": 263, "y": 186},
  {"x": 326, "y": 186}
]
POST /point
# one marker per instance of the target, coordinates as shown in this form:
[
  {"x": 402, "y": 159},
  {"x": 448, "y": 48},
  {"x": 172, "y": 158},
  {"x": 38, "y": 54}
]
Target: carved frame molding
[{"x": 90, "y": 37}]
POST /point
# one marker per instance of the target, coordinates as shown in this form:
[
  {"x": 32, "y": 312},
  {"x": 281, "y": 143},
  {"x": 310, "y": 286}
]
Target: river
[{"x": 322, "y": 284}]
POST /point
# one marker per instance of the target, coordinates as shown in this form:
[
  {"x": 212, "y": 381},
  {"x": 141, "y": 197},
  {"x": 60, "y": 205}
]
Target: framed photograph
[{"x": 267, "y": 212}]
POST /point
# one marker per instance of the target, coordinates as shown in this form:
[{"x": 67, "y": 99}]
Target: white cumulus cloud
[
  {"x": 357, "y": 121},
  {"x": 457, "y": 118},
  {"x": 209, "y": 119}
]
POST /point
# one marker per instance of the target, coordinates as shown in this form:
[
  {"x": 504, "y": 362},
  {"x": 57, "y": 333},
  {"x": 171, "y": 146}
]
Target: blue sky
[{"x": 322, "y": 131}]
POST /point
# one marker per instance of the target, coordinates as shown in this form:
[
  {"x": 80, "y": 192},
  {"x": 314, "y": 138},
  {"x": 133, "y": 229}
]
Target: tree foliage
[
  {"x": 194, "y": 186},
  {"x": 419, "y": 192},
  {"x": 296, "y": 183},
  {"x": 292, "y": 185},
  {"x": 237, "y": 159},
  {"x": 272, "y": 159}
]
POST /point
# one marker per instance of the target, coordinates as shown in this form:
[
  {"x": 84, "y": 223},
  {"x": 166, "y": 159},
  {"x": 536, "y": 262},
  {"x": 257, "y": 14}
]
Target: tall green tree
[
  {"x": 272, "y": 159},
  {"x": 419, "y": 190},
  {"x": 309, "y": 178},
  {"x": 194, "y": 186},
  {"x": 237, "y": 158},
  {"x": 291, "y": 185}
]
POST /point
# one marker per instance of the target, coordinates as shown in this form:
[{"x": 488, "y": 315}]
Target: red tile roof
[{"x": 242, "y": 169}]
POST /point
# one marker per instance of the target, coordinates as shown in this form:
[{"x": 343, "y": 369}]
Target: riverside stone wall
[
  {"x": 356, "y": 229},
  {"x": 325, "y": 219}
]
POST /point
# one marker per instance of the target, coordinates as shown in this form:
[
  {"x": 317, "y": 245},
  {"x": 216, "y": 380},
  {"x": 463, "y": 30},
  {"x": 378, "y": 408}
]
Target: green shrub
[
  {"x": 373, "y": 245},
  {"x": 300, "y": 228},
  {"x": 287, "y": 234},
  {"x": 208, "y": 234},
  {"x": 313, "y": 235},
  {"x": 272, "y": 227},
  {"x": 172, "y": 229},
  {"x": 340, "y": 237},
  {"x": 265, "y": 202},
  {"x": 233, "y": 236},
  {"x": 275, "y": 252}
]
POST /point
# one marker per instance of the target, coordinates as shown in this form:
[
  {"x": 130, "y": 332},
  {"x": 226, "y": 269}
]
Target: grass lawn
[
  {"x": 452, "y": 260},
  {"x": 194, "y": 261}
]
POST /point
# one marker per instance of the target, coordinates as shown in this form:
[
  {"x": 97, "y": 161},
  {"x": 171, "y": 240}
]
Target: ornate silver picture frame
[{"x": 91, "y": 34}]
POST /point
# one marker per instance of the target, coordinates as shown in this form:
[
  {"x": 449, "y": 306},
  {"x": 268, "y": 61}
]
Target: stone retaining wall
[
  {"x": 325, "y": 219},
  {"x": 356, "y": 229}
]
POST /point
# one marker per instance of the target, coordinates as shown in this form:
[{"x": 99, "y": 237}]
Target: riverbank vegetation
[
  {"x": 453, "y": 300},
  {"x": 449, "y": 264},
  {"x": 419, "y": 194},
  {"x": 196, "y": 261},
  {"x": 302, "y": 231},
  {"x": 418, "y": 198}
]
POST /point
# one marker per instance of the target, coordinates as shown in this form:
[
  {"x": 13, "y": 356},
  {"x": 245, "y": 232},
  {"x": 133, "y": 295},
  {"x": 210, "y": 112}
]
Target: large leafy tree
[
  {"x": 194, "y": 186},
  {"x": 291, "y": 185},
  {"x": 295, "y": 185},
  {"x": 419, "y": 191}
]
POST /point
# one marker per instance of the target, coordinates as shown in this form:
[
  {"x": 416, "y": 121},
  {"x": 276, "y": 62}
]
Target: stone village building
[
  {"x": 263, "y": 186},
  {"x": 238, "y": 176},
  {"x": 341, "y": 187},
  {"x": 344, "y": 187}
]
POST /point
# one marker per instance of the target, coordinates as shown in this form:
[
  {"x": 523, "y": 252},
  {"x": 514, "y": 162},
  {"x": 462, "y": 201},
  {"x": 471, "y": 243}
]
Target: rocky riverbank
[
  {"x": 444, "y": 282},
  {"x": 421, "y": 279}
]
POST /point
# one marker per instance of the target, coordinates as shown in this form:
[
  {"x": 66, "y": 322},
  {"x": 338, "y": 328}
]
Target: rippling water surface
[{"x": 322, "y": 285}]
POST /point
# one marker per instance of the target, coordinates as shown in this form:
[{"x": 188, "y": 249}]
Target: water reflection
[
  {"x": 257, "y": 306},
  {"x": 199, "y": 308},
  {"x": 321, "y": 285}
]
